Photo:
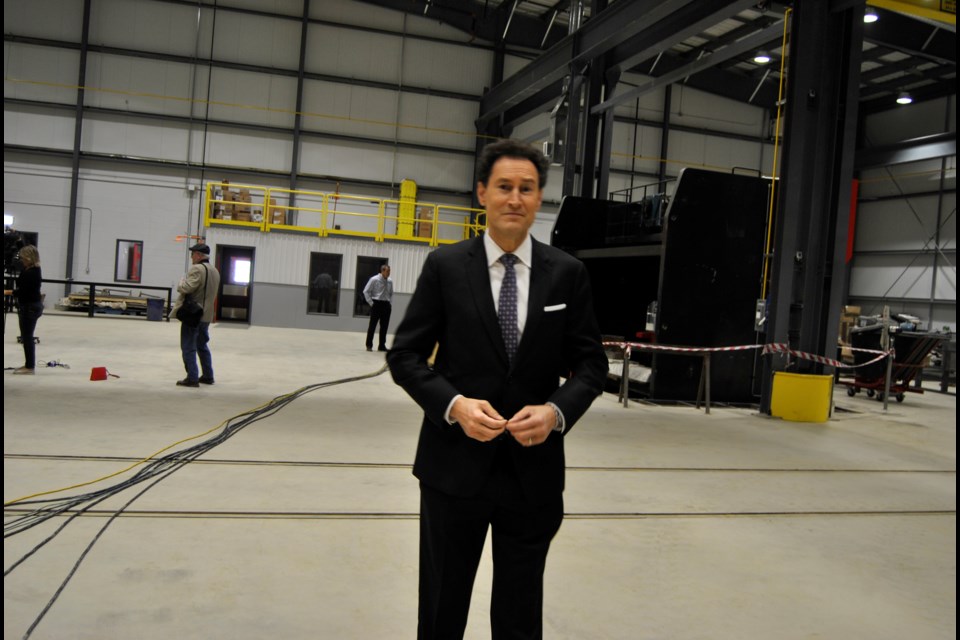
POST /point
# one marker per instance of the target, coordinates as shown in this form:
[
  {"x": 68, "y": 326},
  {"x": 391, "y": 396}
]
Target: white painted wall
[
  {"x": 113, "y": 205},
  {"x": 901, "y": 210}
]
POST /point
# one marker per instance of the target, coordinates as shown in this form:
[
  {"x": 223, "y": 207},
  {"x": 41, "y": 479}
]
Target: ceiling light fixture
[
  {"x": 870, "y": 16},
  {"x": 762, "y": 57},
  {"x": 904, "y": 98}
]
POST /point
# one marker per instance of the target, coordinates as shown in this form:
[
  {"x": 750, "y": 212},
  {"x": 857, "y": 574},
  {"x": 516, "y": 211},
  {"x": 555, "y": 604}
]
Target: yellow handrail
[{"x": 267, "y": 209}]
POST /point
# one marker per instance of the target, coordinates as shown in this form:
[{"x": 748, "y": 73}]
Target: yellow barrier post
[
  {"x": 381, "y": 211},
  {"x": 207, "y": 204},
  {"x": 407, "y": 210}
]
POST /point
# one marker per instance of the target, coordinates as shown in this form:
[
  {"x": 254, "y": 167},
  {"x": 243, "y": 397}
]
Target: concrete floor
[{"x": 680, "y": 525}]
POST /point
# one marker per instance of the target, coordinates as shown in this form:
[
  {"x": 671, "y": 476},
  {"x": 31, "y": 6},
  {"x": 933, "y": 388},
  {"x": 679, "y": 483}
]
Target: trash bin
[{"x": 155, "y": 309}]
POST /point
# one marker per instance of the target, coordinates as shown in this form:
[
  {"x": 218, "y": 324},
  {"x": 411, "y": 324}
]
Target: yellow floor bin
[{"x": 801, "y": 397}]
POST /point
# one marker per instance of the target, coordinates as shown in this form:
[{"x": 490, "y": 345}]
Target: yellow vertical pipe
[
  {"x": 776, "y": 141},
  {"x": 407, "y": 211}
]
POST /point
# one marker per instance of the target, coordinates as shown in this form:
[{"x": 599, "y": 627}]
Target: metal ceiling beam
[
  {"x": 533, "y": 106},
  {"x": 908, "y": 82},
  {"x": 908, "y": 35},
  {"x": 673, "y": 29},
  {"x": 729, "y": 83},
  {"x": 942, "y": 89},
  {"x": 941, "y": 145},
  {"x": 602, "y": 33},
  {"x": 738, "y": 48},
  {"x": 478, "y": 20}
]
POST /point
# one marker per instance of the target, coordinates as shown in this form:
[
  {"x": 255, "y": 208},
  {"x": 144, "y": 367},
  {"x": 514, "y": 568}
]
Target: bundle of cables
[{"x": 156, "y": 467}]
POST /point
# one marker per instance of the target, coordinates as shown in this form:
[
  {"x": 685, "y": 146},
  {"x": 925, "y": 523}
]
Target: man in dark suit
[{"x": 490, "y": 453}]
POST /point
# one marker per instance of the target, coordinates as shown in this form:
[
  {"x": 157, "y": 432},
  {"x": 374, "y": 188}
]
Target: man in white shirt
[{"x": 379, "y": 295}]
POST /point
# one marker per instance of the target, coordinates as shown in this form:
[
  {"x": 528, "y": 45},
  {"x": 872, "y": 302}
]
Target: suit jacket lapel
[
  {"x": 478, "y": 277},
  {"x": 540, "y": 274}
]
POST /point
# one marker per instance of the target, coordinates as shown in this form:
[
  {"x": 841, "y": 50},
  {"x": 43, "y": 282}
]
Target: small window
[
  {"x": 366, "y": 268},
  {"x": 323, "y": 291},
  {"x": 129, "y": 263},
  {"x": 240, "y": 270}
]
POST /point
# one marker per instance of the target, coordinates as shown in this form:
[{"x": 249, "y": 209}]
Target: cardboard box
[
  {"x": 278, "y": 216},
  {"x": 425, "y": 222},
  {"x": 851, "y": 310},
  {"x": 243, "y": 216},
  {"x": 845, "y": 325}
]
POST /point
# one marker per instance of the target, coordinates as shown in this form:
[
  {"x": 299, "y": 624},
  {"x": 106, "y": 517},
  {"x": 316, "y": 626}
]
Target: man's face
[
  {"x": 385, "y": 272},
  {"x": 196, "y": 256},
  {"x": 512, "y": 197}
]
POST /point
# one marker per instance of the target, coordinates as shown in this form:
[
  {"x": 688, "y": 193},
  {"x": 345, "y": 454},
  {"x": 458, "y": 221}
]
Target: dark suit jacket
[{"x": 453, "y": 306}]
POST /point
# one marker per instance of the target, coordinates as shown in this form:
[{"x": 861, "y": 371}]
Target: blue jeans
[{"x": 193, "y": 343}]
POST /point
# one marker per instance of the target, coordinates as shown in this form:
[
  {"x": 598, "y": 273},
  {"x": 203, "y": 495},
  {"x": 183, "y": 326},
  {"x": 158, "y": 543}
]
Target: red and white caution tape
[
  {"x": 803, "y": 355},
  {"x": 646, "y": 346},
  {"x": 767, "y": 349}
]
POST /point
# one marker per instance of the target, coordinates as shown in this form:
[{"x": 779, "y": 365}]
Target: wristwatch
[{"x": 558, "y": 415}]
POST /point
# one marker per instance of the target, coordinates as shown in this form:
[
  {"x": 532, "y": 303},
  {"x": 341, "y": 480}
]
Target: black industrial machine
[{"x": 700, "y": 260}]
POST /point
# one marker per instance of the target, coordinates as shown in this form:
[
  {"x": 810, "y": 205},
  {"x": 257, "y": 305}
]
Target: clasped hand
[{"x": 480, "y": 421}]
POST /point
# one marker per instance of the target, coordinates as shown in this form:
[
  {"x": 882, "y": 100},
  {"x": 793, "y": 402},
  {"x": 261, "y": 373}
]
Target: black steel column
[
  {"x": 819, "y": 140},
  {"x": 489, "y": 130},
  {"x": 847, "y": 119},
  {"x": 77, "y": 139},
  {"x": 612, "y": 77},
  {"x": 593, "y": 124},
  {"x": 298, "y": 117},
  {"x": 572, "y": 136},
  {"x": 664, "y": 134},
  {"x": 587, "y": 152}
]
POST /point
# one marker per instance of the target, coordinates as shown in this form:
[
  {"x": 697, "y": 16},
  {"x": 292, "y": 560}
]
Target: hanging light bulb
[
  {"x": 762, "y": 57},
  {"x": 904, "y": 98},
  {"x": 870, "y": 16}
]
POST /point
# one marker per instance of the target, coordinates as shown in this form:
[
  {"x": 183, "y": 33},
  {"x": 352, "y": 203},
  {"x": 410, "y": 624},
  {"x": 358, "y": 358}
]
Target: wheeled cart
[{"x": 911, "y": 349}]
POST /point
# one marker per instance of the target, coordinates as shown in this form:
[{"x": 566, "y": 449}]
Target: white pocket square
[{"x": 555, "y": 307}]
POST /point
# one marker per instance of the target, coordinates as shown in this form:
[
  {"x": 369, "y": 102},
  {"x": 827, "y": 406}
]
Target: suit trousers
[
  {"x": 379, "y": 313},
  {"x": 452, "y": 534}
]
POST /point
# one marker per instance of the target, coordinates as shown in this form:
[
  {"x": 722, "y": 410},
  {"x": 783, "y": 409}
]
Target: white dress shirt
[{"x": 497, "y": 270}]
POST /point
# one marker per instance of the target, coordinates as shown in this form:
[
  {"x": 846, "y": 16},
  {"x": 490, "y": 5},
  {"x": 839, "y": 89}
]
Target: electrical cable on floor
[
  {"x": 154, "y": 468},
  {"x": 272, "y": 406},
  {"x": 52, "y": 363}
]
